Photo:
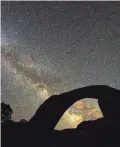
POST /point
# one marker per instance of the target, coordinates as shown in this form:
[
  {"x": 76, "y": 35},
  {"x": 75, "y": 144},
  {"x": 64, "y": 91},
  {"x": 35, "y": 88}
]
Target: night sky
[{"x": 51, "y": 47}]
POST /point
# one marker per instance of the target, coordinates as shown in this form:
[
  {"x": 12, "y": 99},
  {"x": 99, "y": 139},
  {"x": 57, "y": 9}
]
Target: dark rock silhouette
[
  {"x": 39, "y": 131},
  {"x": 23, "y": 120}
]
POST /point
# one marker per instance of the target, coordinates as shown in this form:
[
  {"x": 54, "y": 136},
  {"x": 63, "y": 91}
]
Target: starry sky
[{"x": 51, "y": 47}]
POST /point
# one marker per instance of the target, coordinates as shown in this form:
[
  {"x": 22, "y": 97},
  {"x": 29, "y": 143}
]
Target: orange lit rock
[{"x": 79, "y": 105}]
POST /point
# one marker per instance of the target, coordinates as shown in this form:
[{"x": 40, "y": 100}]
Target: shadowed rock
[{"x": 39, "y": 131}]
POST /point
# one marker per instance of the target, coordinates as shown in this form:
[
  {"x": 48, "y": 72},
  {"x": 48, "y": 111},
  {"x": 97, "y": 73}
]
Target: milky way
[{"x": 52, "y": 47}]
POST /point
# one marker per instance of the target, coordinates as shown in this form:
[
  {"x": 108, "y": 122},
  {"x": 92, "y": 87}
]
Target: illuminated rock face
[{"x": 79, "y": 112}]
